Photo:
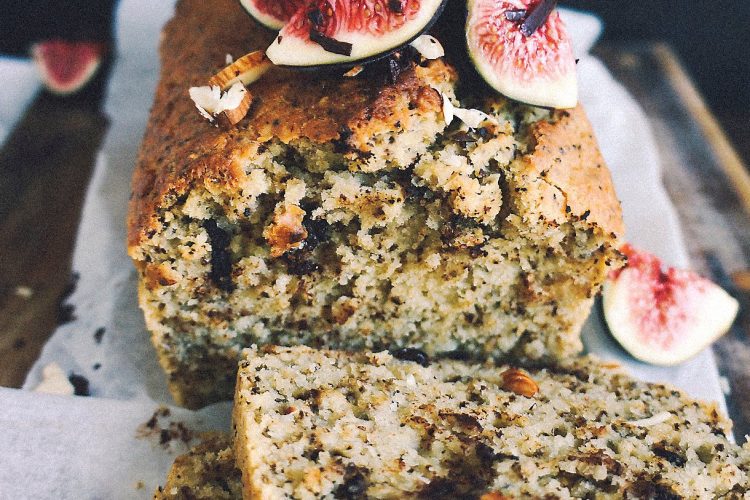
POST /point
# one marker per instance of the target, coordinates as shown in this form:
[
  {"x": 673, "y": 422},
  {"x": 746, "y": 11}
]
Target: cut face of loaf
[
  {"x": 321, "y": 424},
  {"x": 206, "y": 472},
  {"x": 345, "y": 213}
]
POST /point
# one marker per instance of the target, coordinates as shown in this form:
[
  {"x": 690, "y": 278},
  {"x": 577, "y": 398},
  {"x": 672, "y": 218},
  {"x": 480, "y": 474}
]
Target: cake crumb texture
[{"x": 322, "y": 424}]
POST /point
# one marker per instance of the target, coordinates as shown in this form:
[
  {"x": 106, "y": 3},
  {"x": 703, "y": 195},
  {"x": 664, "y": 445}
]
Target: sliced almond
[
  {"x": 354, "y": 71},
  {"x": 231, "y": 117},
  {"x": 518, "y": 382},
  {"x": 286, "y": 232},
  {"x": 245, "y": 70}
]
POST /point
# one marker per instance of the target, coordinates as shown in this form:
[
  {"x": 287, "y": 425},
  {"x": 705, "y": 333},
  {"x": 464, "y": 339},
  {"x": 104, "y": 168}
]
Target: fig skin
[{"x": 664, "y": 317}]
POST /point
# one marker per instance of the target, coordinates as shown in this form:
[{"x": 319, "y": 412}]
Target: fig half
[
  {"x": 522, "y": 50},
  {"x": 272, "y": 14},
  {"x": 67, "y": 66},
  {"x": 664, "y": 317},
  {"x": 345, "y": 32}
]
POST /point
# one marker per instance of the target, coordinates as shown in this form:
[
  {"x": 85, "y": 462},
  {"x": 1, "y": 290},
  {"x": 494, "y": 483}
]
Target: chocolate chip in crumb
[
  {"x": 354, "y": 485},
  {"x": 411, "y": 354},
  {"x": 674, "y": 458},
  {"x": 80, "y": 384},
  {"x": 221, "y": 261}
]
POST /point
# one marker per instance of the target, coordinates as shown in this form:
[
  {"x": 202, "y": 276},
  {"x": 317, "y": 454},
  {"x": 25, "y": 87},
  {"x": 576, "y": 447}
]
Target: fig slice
[
  {"x": 664, "y": 317},
  {"x": 67, "y": 66},
  {"x": 272, "y": 14},
  {"x": 346, "y": 32},
  {"x": 531, "y": 64}
]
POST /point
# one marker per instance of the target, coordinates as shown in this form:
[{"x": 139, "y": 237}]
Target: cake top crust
[{"x": 181, "y": 149}]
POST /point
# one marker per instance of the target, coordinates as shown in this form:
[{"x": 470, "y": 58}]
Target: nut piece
[
  {"x": 245, "y": 70},
  {"x": 354, "y": 71},
  {"x": 286, "y": 232},
  {"x": 231, "y": 117},
  {"x": 516, "y": 381},
  {"x": 494, "y": 495}
]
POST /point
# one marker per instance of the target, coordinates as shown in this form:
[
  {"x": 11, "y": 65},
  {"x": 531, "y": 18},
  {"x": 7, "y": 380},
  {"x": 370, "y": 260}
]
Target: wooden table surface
[{"x": 46, "y": 162}]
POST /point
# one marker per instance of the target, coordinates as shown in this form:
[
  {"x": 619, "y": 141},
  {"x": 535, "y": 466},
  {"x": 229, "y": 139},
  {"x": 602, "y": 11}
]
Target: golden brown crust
[
  {"x": 180, "y": 148},
  {"x": 566, "y": 154}
]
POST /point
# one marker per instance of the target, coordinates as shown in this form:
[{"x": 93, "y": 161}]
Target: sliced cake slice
[{"x": 324, "y": 424}]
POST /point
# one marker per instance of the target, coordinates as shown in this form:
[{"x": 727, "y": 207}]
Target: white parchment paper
[
  {"x": 86, "y": 448},
  {"x": 20, "y": 82}
]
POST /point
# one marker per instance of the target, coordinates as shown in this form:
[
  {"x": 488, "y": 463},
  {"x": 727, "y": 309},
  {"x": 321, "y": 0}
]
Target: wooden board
[{"x": 46, "y": 163}]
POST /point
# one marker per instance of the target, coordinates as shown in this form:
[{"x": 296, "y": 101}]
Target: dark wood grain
[
  {"x": 45, "y": 166},
  {"x": 709, "y": 186}
]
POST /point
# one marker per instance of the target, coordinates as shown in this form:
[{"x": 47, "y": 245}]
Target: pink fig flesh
[
  {"x": 347, "y": 31},
  {"x": 537, "y": 69},
  {"x": 67, "y": 66},
  {"x": 273, "y": 14},
  {"x": 664, "y": 316}
]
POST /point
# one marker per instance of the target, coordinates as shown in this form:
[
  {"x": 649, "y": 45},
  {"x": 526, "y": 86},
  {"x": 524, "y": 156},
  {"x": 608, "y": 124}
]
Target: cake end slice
[{"x": 324, "y": 424}]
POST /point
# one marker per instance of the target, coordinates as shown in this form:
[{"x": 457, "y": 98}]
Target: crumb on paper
[
  {"x": 80, "y": 384},
  {"x": 163, "y": 433},
  {"x": 54, "y": 381},
  {"x": 98, "y": 334},
  {"x": 140, "y": 485},
  {"x": 24, "y": 292},
  {"x": 726, "y": 387}
]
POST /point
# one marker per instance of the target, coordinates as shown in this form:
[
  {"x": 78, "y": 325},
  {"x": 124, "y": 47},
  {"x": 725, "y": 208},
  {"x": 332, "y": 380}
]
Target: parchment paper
[{"x": 74, "y": 447}]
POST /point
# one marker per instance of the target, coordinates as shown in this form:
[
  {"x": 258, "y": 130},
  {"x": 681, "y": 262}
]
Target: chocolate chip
[
  {"x": 331, "y": 44},
  {"x": 221, "y": 260},
  {"x": 674, "y": 458},
  {"x": 316, "y": 17},
  {"x": 440, "y": 488},
  {"x": 298, "y": 263},
  {"x": 515, "y": 15},
  {"x": 65, "y": 312},
  {"x": 537, "y": 17},
  {"x": 395, "y": 6},
  {"x": 80, "y": 384},
  {"x": 354, "y": 485},
  {"x": 318, "y": 231},
  {"x": 341, "y": 145},
  {"x": 411, "y": 354}
]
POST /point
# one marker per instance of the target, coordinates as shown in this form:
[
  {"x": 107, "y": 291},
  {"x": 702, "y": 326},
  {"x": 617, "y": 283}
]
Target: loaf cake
[
  {"x": 344, "y": 212},
  {"x": 322, "y": 424}
]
